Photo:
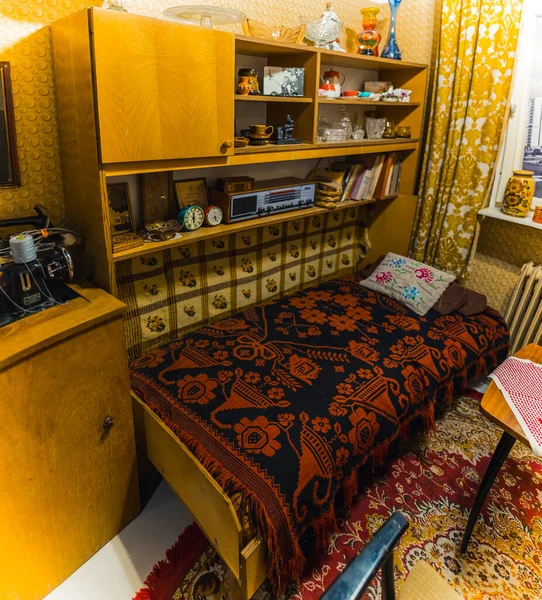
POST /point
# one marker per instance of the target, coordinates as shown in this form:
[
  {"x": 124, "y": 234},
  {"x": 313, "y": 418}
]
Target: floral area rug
[{"x": 433, "y": 483}]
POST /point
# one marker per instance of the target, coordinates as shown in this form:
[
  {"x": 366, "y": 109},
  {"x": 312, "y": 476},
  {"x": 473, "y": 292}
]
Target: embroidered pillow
[{"x": 408, "y": 281}]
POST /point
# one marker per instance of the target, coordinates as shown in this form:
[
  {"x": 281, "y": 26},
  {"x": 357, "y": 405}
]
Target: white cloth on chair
[{"x": 520, "y": 382}]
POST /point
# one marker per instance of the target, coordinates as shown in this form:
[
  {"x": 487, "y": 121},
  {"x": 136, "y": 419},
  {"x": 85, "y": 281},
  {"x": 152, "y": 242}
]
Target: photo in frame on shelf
[
  {"x": 191, "y": 191},
  {"x": 155, "y": 192},
  {"x": 283, "y": 81},
  {"x": 120, "y": 209}
]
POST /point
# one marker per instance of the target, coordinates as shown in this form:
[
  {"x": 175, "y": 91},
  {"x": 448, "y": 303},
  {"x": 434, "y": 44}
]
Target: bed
[{"x": 267, "y": 423}]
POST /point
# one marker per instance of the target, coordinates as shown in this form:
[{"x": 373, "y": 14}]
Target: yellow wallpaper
[
  {"x": 25, "y": 41},
  {"x": 514, "y": 244}
]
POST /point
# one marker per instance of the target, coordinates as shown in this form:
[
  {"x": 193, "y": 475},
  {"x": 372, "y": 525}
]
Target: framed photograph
[
  {"x": 191, "y": 191},
  {"x": 120, "y": 208},
  {"x": 9, "y": 162},
  {"x": 156, "y": 197},
  {"x": 283, "y": 81}
]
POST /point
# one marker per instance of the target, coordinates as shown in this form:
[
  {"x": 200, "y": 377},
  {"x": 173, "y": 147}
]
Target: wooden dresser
[{"x": 67, "y": 453}]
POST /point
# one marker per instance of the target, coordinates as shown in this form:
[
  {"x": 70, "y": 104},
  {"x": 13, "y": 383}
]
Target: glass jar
[
  {"x": 252, "y": 75},
  {"x": 389, "y": 130},
  {"x": 403, "y": 131}
]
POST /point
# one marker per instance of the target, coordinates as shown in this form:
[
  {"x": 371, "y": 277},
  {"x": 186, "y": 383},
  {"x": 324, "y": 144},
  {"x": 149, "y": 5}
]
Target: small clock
[
  {"x": 213, "y": 216},
  {"x": 191, "y": 217}
]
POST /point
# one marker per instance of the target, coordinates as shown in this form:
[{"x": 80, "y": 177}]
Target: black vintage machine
[{"x": 34, "y": 266}]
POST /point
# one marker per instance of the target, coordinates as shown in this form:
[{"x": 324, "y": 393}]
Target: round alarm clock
[
  {"x": 191, "y": 217},
  {"x": 213, "y": 215}
]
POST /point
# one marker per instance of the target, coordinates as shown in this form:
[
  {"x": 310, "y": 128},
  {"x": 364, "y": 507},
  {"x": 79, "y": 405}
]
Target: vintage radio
[{"x": 267, "y": 198}]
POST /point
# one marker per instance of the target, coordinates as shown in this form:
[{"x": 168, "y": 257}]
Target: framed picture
[
  {"x": 283, "y": 81},
  {"x": 156, "y": 197},
  {"x": 120, "y": 208},
  {"x": 191, "y": 191},
  {"x": 9, "y": 162}
]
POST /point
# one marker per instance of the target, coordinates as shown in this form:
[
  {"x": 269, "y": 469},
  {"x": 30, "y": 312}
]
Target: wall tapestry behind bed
[{"x": 172, "y": 292}]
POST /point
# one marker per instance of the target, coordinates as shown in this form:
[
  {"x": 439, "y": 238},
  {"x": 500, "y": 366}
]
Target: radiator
[{"x": 524, "y": 313}]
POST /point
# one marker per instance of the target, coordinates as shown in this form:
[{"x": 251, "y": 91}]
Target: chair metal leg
[
  {"x": 388, "y": 579},
  {"x": 501, "y": 452}
]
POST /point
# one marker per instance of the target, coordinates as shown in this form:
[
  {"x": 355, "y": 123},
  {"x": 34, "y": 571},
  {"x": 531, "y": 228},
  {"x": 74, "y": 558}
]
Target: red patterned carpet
[{"x": 433, "y": 483}]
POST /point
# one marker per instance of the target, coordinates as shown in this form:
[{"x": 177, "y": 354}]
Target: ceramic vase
[
  {"x": 369, "y": 38},
  {"x": 519, "y": 194},
  {"x": 244, "y": 87},
  {"x": 391, "y": 49}
]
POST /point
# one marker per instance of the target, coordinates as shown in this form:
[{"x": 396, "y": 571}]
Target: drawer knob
[
  {"x": 108, "y": 423},
  {"x": 228, "y": 144}
]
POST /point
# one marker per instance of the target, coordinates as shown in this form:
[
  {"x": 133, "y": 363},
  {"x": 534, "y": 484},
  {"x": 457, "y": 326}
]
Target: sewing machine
[{"x": 34, "y": 266}]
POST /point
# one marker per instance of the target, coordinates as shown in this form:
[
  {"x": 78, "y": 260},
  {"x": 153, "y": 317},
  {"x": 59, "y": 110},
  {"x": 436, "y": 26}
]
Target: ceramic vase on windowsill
[
  {"x": 391, "y": 49},
  {"x": 519, "y": 194}
]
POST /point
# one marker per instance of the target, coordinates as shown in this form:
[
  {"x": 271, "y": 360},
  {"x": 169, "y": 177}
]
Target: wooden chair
[{"x": 422, "y": 583}]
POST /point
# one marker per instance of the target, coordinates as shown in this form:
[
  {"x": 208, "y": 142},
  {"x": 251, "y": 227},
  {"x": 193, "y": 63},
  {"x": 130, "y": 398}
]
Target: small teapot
[{"x": 336, "y": 79}]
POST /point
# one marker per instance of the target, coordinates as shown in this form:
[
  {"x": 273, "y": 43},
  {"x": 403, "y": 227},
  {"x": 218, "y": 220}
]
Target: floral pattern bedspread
[{"x": 287, "y": 403}]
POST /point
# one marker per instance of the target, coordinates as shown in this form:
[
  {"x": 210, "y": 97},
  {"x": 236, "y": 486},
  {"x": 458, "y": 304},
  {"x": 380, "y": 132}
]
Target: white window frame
[{"x": 511, "y": 152}]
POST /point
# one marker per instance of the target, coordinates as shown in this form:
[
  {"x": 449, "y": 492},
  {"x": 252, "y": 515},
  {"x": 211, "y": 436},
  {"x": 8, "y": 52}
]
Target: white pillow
[{"x": 408, "y": 281}]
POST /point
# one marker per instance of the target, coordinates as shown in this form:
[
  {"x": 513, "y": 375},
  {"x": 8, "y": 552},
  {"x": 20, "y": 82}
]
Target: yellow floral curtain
[{"x": 475, "y": 59}]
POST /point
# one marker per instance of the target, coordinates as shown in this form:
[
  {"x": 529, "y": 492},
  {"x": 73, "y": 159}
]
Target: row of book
[{"x": 371, "y": 176}]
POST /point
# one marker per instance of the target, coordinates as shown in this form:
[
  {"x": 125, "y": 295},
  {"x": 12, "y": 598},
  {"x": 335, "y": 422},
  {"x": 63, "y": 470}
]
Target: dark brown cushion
[
  {"x": 475, "y": 304},
  {"x": 453, "y": 298}
]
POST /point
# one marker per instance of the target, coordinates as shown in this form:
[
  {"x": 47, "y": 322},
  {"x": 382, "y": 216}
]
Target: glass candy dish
[{"x": 204, "y": 15}]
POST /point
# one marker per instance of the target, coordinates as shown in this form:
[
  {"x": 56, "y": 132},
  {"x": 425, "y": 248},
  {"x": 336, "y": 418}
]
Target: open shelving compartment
[{"x": 272, "y": 110}]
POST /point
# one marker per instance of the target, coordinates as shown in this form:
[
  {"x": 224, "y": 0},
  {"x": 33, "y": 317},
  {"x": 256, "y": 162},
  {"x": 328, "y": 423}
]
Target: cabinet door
[
  {"x": 68, "y": 477},
  {"x": 164, "y": 90}
]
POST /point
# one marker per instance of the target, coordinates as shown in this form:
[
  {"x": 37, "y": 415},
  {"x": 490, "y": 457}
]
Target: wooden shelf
[
  {"x": 358, "y": 61},
  {"x": 361, "y": 102},
  {"x": 272, "y": 148},
  {"x": 264, "y": 154},
  {"x": 205, "y": 233},
  {"x": 381, "y": 145},
  {"x": 288, "y": 99},
  {"x": 258, "y": 47}
]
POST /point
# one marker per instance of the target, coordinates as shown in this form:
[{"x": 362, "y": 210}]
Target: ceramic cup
[{"x": 261, "y": 130}]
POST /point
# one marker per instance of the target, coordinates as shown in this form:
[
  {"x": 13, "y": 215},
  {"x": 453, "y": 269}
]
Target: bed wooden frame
[{"x": 210, "y": 506}]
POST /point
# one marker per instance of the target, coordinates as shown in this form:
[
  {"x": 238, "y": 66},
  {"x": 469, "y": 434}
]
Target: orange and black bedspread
[{"x": 289, "y": 402}]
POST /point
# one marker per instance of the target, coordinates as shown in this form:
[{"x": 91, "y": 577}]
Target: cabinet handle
[
  {"x": 227, "y": 144},
  {"x": 108, "y": 423}
]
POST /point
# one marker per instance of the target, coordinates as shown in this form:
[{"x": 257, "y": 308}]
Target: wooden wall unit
[
  {"x": 69, "y": 481},
  {"x": 139, "y": 95},
  {"x": 142, "y": 95}
]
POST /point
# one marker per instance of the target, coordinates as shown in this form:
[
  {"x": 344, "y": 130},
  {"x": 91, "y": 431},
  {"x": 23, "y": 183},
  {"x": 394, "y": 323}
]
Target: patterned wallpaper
[
  {"x": 25, "y": 41},
  {"x": 514, "y": 244}
]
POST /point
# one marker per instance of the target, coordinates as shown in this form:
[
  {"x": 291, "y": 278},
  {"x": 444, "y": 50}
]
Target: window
[{"x": 522, "y": 141}]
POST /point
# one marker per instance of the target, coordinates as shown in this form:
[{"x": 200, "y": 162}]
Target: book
[
  {"x": 376, "y": 170},
  {"x": 363, "y": 163},
  {"x": 380, "y": 188},
  {"x": 350, "y": 180},
  {"x": 357, "y": 183}
]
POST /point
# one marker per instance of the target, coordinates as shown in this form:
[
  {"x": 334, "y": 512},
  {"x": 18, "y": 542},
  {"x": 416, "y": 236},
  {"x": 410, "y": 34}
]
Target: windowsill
[{"x": 496, "y": 213}]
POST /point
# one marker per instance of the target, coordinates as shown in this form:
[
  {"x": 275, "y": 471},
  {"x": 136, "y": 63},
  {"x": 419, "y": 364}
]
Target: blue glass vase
[{"x": 391, "y": 49}]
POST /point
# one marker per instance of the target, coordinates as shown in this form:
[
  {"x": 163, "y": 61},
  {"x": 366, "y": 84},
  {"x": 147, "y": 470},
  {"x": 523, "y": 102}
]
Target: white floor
[{"x": 118, "y": 570}]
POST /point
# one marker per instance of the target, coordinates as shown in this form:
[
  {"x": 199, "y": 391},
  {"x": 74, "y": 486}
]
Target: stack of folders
[{"x": 372, "y": 176}]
